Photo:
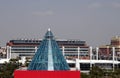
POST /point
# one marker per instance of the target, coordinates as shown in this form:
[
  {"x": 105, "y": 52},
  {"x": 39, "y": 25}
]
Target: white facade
[{"x": 29, "y": 51}]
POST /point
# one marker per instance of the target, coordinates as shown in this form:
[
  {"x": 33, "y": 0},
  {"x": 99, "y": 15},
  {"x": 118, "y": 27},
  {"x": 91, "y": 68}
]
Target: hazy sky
[{"x": 94, "y": 21}]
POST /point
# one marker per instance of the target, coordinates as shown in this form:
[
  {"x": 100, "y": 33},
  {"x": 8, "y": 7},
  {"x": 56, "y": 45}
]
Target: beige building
[
  {"x": 106, "y": 50},
  {"x": 115, "y": 42}
]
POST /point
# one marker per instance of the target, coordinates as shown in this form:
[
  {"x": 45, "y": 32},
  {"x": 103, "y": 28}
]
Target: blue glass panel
[{"x": 48, "y": 56}]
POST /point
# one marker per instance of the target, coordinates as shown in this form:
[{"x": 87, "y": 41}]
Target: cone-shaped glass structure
[{"x": 48, "y": 56}]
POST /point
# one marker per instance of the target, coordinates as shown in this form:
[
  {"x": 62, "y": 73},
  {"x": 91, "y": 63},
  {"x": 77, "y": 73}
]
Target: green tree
[
  {"x": 84, "y": 75},
  {"x": 7, "y": 69},
  {"x": 96, "y": 72},
  {"x": 116, "y": 73}
]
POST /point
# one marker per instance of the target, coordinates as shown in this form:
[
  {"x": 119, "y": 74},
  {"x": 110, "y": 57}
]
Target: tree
[
  {"x": 84, "y": 75},
  {"x": 7, "y": 69},
  {"x": 96, "y": 72},
  {"x": 116, "y": 73}
]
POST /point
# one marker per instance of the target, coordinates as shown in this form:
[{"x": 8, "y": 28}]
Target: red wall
[{"x": 46, "y": 74}]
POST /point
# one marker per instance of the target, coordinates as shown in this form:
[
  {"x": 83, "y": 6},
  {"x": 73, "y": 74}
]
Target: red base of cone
[{"x": 46, "y": 74}]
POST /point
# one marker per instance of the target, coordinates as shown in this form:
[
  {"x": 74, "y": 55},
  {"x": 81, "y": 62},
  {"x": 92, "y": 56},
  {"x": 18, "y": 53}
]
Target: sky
[{"x": 93, "y": 21}]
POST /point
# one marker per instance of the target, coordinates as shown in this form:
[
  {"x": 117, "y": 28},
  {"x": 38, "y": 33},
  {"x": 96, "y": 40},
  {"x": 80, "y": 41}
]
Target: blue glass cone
[{"x": 48, "y": 56}]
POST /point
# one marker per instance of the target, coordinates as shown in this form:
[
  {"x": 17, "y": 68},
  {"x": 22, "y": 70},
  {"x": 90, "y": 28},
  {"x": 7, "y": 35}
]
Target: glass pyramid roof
[{"x": 48, "y": 56}]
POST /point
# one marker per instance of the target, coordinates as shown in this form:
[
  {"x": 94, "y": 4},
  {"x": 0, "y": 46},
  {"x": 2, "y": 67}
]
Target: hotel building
[{"x": 71, "y": 49}]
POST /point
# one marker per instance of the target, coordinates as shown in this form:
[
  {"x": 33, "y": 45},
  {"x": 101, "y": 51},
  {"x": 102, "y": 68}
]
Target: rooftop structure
[{"x": 48, "y": 55}]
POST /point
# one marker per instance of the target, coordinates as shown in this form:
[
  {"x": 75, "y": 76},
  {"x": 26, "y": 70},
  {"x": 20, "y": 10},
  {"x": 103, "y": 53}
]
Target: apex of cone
[{"x": 48, "y": 29}]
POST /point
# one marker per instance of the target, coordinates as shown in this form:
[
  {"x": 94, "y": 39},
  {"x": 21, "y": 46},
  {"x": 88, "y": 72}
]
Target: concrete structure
[{"x": 84, "y": 65}]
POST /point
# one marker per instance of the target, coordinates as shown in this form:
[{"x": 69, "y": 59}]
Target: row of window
[
  {"x": 22, "y": 49},
  {"x": 23, "y": 46},
  {"x": 24, "y": 52}
]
